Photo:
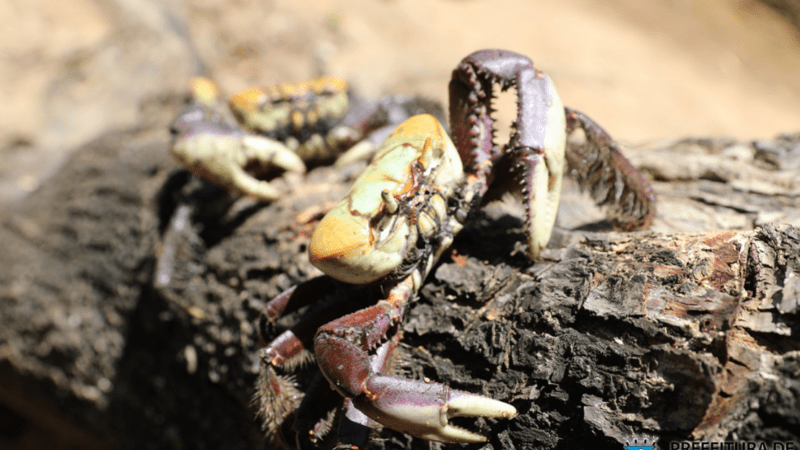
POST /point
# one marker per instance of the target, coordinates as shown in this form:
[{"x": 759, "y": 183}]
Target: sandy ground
[{"x": 644, "y": 69}]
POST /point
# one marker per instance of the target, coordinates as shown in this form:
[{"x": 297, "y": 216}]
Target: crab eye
[{"x": 389, "y": 201}]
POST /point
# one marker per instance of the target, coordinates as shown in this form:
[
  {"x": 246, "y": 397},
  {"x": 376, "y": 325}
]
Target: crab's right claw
[
  {"x": 219, "y": 154},
  {"x": 422, "y": 409}
]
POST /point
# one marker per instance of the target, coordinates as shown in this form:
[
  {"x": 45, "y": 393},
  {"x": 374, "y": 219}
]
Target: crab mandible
[{"x": 404, "y": 211}]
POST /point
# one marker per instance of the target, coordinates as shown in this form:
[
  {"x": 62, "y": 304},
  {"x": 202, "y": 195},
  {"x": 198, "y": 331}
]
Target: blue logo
[{"x": 640, "y": 442}]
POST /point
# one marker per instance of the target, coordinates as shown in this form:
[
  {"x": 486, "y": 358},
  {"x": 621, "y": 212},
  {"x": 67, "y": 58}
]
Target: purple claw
[
  {"x": 538, "y": 137},
  {"x": 352, "y": 359},
  {"x": 422, "y": 409}
]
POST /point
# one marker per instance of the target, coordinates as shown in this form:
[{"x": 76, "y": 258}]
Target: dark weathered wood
[{"x": 689, "y": 331}]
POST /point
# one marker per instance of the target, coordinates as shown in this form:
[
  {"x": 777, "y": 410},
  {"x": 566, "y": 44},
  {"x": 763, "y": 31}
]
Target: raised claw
[
  {"x": 422, "y": 409},
  {"x": 538, "y": 137}
]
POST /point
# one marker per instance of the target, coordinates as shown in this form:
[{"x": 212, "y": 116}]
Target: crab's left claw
[
  {"x": 538, "y": 139},
  {"x": 219, "y": 153},
  {"x": 422, "y": 409}
]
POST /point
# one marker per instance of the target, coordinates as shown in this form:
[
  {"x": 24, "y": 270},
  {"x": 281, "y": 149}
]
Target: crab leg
[
  {"x": 609, "y": 176},
  {"x": 277, "y": 396},
  {"x": 298, "y": 296},
  {"x": 355, "y": 425},
  {"x": 316, "y": 414},
  {"x": 314, "y": 418},
  {"x": 292, "y": 342},
  {"x": 345, "y": 349},
  {"x": 537, "y": 142}
]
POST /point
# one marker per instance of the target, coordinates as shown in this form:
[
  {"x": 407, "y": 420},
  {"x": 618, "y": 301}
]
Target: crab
[
  {"x": 283, "y": 127},
  {"x": 399, "y": 217}
]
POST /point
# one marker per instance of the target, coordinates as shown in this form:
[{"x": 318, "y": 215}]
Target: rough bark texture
[{"x": 689, "y": 331}]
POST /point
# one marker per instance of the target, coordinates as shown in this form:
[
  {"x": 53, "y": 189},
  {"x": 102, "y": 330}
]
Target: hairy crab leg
[
  {"x": 316, "y": 416},
  {"x": 277, "y": 396},
  {"x": 612, "y": 180},
  {"x": 292, "y": 342}
]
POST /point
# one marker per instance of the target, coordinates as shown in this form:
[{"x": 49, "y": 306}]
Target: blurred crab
[
  {"x": 281, "y": 127},
  {"x": 379, "y": 243}
]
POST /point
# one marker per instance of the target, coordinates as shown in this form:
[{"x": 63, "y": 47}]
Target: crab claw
[
  {"x": 350, "y": 355},
  {"x": 218, "y": 153},
  {"x": 538, "y": 140},
  {"x": 422, "y": 409}
]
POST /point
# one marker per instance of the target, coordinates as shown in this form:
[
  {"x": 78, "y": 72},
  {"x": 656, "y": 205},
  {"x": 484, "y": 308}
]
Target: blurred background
[{"x": 644, "y": 69}]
